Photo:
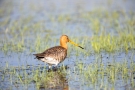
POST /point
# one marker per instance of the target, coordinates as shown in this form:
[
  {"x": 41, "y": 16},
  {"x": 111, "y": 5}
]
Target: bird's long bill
[{"x": 75, "y": 44}]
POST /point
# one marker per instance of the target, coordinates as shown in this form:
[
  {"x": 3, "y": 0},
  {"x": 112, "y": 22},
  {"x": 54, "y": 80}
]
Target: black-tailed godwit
[{"x": 55, "y": 55}]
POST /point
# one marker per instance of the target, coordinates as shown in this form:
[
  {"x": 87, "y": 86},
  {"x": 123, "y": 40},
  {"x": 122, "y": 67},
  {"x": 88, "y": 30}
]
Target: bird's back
[{"x": 57, "y": 53}]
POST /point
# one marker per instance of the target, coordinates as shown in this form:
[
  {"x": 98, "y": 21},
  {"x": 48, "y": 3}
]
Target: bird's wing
[{"x": 56, "y": 52}]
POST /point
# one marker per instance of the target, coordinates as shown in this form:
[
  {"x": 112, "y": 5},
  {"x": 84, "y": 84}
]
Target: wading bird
[{"x": 57, "y": 54}]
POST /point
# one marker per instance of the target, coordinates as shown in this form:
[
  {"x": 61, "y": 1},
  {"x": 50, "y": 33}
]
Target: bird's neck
[{"x": 64, "y": 45}]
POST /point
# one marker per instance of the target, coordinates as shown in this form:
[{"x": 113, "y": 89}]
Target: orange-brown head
[{"x": 64, "y": 39}]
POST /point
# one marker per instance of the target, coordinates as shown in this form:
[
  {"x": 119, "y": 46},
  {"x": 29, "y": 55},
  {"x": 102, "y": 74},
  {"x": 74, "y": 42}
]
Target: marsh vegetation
[{"x": 107, "y": 62}]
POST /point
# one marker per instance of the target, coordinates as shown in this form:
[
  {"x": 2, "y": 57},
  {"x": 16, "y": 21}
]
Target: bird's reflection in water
[{"x": 55, "y": 80}]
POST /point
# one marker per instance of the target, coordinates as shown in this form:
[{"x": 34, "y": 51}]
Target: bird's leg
[
  {"x": 63, "y": 66},
  {"x": 55, "y": 68},
  {"x": 50, "y": 66}
]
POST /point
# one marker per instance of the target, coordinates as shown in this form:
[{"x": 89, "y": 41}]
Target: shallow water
[{"x": 27, "y": 22}]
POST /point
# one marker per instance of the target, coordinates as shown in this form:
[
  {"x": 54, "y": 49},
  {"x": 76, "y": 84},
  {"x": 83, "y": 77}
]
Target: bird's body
[{"x": 55, "y": 55}]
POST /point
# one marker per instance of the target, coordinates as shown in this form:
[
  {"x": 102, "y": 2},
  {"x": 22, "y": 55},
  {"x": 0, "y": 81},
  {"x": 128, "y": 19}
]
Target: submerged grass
[
  {"x": 39, "y": 76},
  {"x": 110, "y": 32},
  {"x": 110, "y": 44},
  {"x": 101, "y": 74}
]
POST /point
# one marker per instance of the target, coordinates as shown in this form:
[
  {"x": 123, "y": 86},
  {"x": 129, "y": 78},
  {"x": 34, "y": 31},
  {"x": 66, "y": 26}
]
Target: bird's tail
[{"x": 38, "y": 56}]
